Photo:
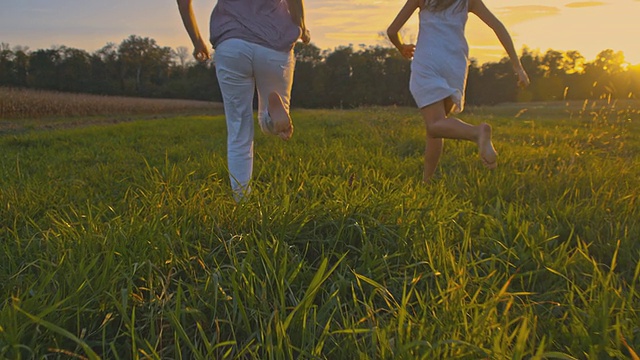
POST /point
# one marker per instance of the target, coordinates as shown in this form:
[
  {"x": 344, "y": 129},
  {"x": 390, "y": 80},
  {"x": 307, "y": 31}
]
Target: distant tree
[
  {"x": 74, "y": 70},
  {"x": 551, "y": 86},
  {"x": 202, "y": 83},
  {"x": 553, "y": 63},
  {"x": 143, "y": 61},
  {"x": 498, "y": 82},
  {"x": 607, "y": 62},
  {"x": 182, "y": 54},
  {"x": 604, "y": 73},
  {"x": 474, "y": 83},
  {"x": 304, "y": 90},
  {"x": 106, "y": 76},
  {"x": 577, "y": 85},
  {"x": 573, "y": 62},
  {"x": 367, "y": 83},
  {"x": 337, "y": 77},
  {"x": 106, "y": 71},
  {"x": 7, "y": 71},
  {"x": 344, "y": 77},
  {"x": 395, "y": 87},
  {"x": 307, "y": 53},
  {"x": 43, "y": 69},
  {"x": 21, "y": 66}
]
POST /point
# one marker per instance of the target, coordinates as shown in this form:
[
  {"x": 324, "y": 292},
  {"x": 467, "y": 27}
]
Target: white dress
[{"x": 441, "y": 60}]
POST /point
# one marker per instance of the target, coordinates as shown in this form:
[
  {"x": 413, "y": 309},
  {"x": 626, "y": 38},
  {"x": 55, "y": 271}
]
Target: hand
[
  {"x": 523, "y": 78},
  {"x": 407, "y": 50},
  {"x": 306, "y": 36},
  {"x": 201, "y": 52}
]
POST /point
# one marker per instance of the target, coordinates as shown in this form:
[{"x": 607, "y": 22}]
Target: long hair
[{"x": 441, "y": 5}]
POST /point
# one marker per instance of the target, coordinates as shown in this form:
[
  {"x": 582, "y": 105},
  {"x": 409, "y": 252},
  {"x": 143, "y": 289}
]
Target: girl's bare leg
[
  {"x": 432, "y": 152},
  {"x": 439, "y": 125}
]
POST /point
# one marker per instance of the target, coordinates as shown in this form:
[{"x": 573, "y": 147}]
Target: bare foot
[
  {"x": 487, "y": 153},
  {"x": 282, "y": 125}
]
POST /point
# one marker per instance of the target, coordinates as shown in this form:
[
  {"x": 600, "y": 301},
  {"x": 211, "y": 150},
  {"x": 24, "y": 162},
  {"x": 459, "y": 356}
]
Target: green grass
[{"x": 123, "y": 241}]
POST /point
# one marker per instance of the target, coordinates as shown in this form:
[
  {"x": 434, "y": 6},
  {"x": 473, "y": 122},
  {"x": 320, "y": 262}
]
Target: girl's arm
[
  {"x": 296, "y": 9},
  {"x": 393, "y": 32},
  {"x": 479, "y": 9},
  {"x": 201, "y": 51}
]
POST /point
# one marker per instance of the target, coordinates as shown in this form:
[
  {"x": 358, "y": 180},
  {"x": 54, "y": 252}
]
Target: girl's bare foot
[
  {"x": 487, "y": 153},
  {"x": 281, "y": 120}
]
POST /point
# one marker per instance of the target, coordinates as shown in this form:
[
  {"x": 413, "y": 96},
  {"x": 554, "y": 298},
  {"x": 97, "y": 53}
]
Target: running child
[
  {"x": 439, "y": 72},
  {"x": 253, "y": 41}
]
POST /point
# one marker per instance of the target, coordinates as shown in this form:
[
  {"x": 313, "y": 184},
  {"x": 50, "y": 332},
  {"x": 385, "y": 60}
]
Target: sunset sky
[{"x": 586, "y": 26}]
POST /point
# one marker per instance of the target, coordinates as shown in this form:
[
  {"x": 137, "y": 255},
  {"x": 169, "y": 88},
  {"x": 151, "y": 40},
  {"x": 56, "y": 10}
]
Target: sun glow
[{"x": 588, "y": 27}]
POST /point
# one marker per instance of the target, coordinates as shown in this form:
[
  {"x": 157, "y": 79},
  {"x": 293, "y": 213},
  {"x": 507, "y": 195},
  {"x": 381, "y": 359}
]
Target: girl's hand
[
  {"x": 201, "y": 52},
  {"x": 523, "y": 78},
  {"x": 407, "y": 50},
  {"x": 306, "y": 36}
]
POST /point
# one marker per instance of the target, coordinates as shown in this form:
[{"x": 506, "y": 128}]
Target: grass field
[{"x": 123, "y": 241}]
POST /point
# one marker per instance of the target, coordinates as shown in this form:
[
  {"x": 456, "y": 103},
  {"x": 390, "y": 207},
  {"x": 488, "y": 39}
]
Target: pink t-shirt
[{"x": 263, "y": 22}]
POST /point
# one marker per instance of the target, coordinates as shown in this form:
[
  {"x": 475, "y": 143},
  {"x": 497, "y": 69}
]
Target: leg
[
  {"x": 274, "y": 78},
  {"x": 235, "y": 76},
  {"x": 440, "y": 125},
  {"x": 434, "y": 145},
  {"x": 432, "y": 152},
  {"x": 486, "y": 151}
]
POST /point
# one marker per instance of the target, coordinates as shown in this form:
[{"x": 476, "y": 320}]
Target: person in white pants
[
  {"x": 242, "y": 66},
  {"x": 253, "y": 42}
]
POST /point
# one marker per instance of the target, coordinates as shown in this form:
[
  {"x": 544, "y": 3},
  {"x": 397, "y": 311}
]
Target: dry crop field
[{"x": 25, "y": 108}]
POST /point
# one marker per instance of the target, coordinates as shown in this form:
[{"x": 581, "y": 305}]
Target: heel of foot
[
  {"x": 281, "y": 120},
  {"x": 487, "y": 152}
]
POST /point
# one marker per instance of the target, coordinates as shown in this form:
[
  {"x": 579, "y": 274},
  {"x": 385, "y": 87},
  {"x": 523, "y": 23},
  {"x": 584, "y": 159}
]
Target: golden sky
[{"x": 586, "y": 26}]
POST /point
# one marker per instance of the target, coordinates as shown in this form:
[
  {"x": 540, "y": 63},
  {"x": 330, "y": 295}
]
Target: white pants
[{"x": 241, "y": 67}]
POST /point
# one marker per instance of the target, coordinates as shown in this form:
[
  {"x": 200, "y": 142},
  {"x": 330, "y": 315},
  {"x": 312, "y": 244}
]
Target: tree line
[{"x": 343, "y": 77}]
